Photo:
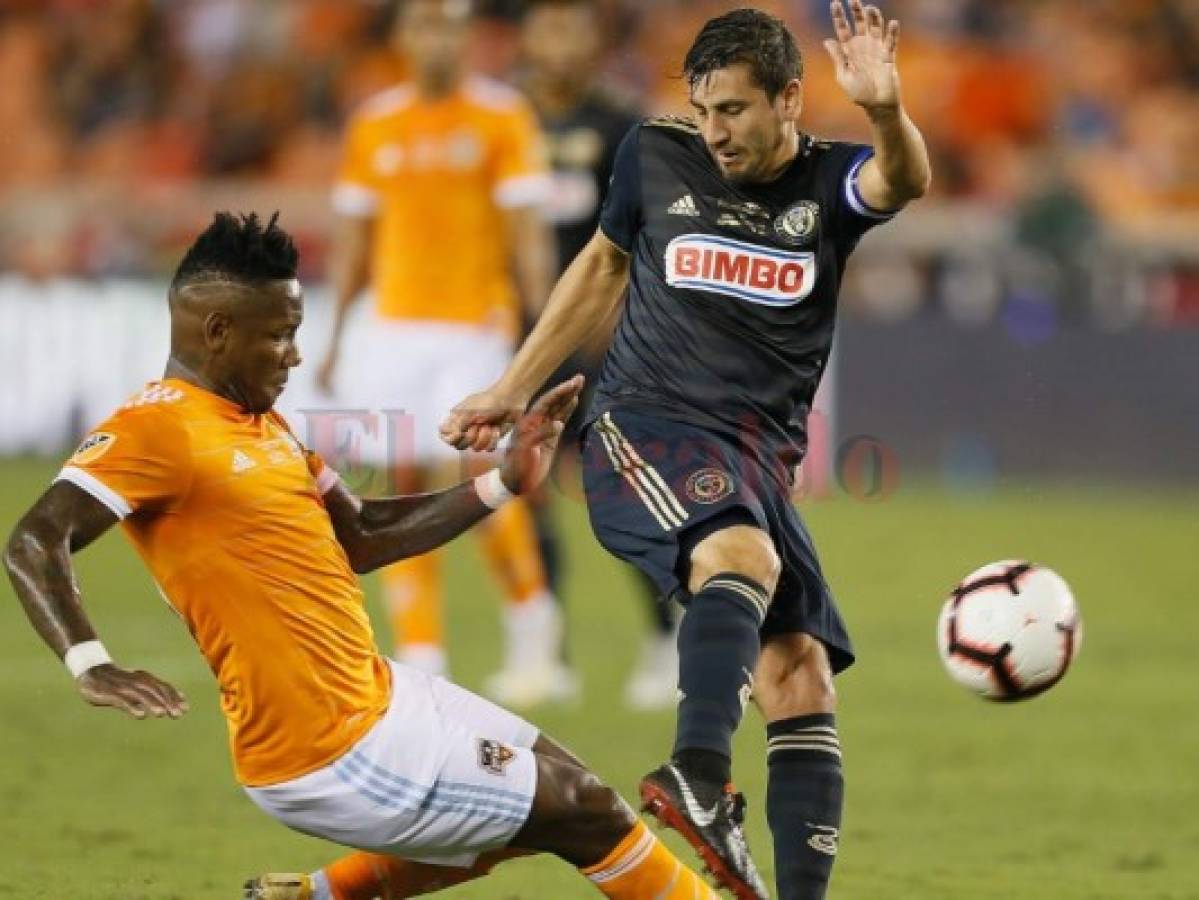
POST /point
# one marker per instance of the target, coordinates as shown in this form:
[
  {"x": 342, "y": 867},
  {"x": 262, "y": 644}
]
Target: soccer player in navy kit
[{"x": 729, "y": 237}]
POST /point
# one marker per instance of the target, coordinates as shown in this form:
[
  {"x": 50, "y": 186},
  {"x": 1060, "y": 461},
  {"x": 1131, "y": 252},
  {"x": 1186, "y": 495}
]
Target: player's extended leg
[
  {"x": 368, "y": 876},
  {"x": 586, "y": 823},
  {"x": 732, "y": 576},
  {"x": 793, "y": 687},
  {"x": 573, "y": 816}
]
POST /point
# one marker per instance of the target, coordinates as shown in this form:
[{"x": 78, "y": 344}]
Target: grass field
[{"x": 1089, "y": 792}]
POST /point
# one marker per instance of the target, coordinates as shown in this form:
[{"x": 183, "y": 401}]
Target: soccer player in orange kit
[
  {"x": 438, "y": 214},
  {"x": 254, "y": 542}
]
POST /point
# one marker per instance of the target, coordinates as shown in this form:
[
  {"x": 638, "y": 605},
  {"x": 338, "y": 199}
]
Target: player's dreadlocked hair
[
  {"x": 238, "y": 248},
  {"x": 747, "y": 36}
]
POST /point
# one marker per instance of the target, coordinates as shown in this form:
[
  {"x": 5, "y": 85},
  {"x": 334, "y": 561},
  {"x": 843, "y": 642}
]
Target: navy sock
[
  {"x": 706, "y": 770},
  {"x": 718, "y": 649},
  {"x": 803, "y": 803}
]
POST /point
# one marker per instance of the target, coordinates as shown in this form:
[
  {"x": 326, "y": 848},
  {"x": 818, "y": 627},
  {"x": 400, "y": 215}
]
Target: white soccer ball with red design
[{"x": 1009, "y": 630}]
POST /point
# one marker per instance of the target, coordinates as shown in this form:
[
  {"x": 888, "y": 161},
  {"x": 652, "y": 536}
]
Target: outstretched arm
[
  {"x": 376, "y": 533},
  {"x": 38, "y": 560},
  {"x": 864, "y": 56},
  {"x": 582, "y": 301}
]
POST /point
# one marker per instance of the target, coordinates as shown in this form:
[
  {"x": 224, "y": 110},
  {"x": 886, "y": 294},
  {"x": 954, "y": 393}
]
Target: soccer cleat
[
  {"x": 715, "y": 833},
  {"x": 279, "y": 886}
]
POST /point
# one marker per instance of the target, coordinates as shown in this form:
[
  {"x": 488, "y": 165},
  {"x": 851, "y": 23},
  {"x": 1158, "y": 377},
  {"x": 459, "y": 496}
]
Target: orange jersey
[
  {"x": 225, "y": 508},
  {"x": 436, "y": 176}
]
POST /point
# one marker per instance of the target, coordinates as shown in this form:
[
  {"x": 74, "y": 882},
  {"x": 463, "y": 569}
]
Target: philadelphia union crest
[
  {"x": 798, "y": 224},
  {"x": 709, "y": 486}
]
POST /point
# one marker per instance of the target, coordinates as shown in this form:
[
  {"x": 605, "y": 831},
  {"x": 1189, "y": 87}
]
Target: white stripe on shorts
[
  {"x": 388, "y": 789},
  {"x": 645, "y": 479}
]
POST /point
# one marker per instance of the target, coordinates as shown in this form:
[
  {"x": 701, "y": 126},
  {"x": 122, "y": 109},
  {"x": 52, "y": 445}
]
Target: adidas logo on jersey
[
  {"x": 761, "y": 275},
  {"x": 241, "y": 462},
  {"x": 684, "y": 206}
]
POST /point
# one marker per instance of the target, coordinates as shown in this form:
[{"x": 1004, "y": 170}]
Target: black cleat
[{"x": 715, "y": 833}]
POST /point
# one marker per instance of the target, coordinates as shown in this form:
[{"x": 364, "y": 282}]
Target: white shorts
[
  {"x": 408, "y": 376},
  {"x": 444, "y": 776}
]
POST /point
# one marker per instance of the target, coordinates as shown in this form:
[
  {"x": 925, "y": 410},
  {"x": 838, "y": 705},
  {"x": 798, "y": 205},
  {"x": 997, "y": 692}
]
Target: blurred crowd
[{"x": 1063, "y": 120}]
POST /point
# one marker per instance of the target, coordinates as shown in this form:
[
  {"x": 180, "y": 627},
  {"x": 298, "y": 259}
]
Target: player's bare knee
[
  {"x": 741, "y": 549},
  {"x": 575, "y": 815},
  {"x": 794, "y": 678},
  {"x": 799, "y": 693},
  {"x": 594, "y": 820},
  {"x": 600, "y": 806}
]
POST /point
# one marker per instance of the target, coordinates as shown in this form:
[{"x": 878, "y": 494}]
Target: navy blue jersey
[{"x": 733, "y": 288}]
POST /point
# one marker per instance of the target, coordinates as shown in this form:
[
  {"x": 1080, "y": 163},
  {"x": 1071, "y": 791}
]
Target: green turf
[{"x": 1088, "y": 792}]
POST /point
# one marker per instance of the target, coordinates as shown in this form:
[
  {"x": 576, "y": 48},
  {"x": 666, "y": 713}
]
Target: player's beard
[
  {"x": 754, "y": 157},
  {"x": 763, "y": 165},
  {"x": 737, "y": 175}
]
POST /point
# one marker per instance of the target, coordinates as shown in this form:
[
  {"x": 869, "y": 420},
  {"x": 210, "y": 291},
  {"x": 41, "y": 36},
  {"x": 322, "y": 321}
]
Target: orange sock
[
  {"x": 367, "y": 876},
  {"x": 412, "y": 589},
  {"x": 509, "y": 542},
  {"x": 641, "y": 866}
]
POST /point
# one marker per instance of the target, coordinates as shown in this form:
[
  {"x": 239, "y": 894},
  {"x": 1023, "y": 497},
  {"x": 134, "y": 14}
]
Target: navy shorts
[{"x": 655, "y": 488}]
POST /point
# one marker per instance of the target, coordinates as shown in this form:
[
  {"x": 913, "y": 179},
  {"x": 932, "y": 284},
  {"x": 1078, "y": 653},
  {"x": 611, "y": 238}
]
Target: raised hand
[
  {"x": 531, "y": 453},
  {"x": 864, "y": 55},
  {"x": 138, "y": 693}
]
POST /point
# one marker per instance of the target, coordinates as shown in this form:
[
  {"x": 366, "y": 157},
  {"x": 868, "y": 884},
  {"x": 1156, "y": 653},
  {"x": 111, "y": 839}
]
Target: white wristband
[
  {"x": 84, "y": 656},
  {"x": 492, "y": 490}
]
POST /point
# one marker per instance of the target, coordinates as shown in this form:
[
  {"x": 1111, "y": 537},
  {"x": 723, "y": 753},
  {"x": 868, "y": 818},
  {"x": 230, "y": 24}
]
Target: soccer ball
[{"x": 1009, "y": 630}]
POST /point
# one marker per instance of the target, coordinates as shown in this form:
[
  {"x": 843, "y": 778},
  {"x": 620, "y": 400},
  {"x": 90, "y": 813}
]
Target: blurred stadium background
[{"x": 1016, "y": 376}]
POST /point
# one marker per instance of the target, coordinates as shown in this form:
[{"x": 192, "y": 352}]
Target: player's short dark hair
[
  {"x": 239, "y": 248},
  {"x": 748, "y": 36}
]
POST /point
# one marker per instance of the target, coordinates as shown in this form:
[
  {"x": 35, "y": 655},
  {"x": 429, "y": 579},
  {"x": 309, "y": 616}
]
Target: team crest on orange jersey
[
  {"x": 494, "y": 756},
  {"x": 93, "y": 447}
]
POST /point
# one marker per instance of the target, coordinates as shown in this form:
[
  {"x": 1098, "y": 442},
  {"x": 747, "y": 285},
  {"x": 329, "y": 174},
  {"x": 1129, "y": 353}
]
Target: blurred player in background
[
  {"x": 439, "y": 201},
  {"x": 254, "y": 542},
  {"x": 727, "y": 238},
  {"x": 583, "y": 124}
]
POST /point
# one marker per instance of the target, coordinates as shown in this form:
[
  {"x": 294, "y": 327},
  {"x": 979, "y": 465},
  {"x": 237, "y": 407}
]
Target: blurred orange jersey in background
[
  {"x": 436, "y": 176},
  {"x": 225, "y": 509}
]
